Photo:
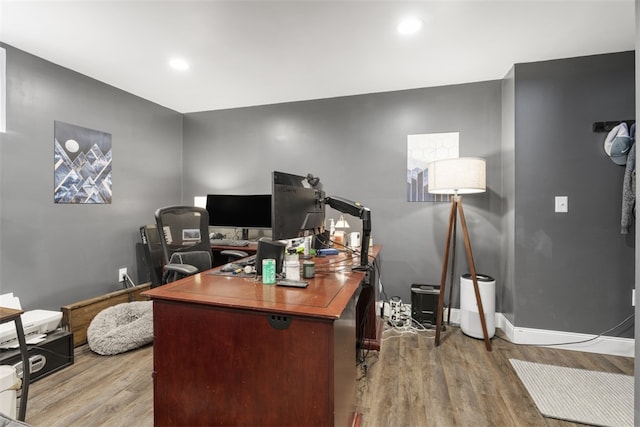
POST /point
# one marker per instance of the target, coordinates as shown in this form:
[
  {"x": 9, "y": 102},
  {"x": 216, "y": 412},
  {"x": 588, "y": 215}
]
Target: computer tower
[
  {"x": 424, "y": 304},
  {"x": 150, "y": 263}
]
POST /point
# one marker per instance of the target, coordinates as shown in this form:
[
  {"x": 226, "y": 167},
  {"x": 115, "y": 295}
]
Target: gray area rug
[{"x": 578, "y": 395}]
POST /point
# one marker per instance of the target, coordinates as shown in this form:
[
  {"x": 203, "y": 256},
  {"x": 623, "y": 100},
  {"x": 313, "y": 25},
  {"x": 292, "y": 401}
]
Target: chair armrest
[
  {"x": 234, "y": 253},
  {"x": 185, "y": 269}
]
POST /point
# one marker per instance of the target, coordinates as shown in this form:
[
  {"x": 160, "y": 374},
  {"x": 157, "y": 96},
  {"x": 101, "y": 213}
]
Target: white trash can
[
  {"x": 469, "y": 314},
  {"x": 9, "y": 384}
]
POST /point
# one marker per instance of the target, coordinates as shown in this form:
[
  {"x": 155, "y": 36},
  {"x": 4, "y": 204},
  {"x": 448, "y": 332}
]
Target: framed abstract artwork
[
  {"x": 422, "y": 149},
  {"x": 82, "y": 165}
]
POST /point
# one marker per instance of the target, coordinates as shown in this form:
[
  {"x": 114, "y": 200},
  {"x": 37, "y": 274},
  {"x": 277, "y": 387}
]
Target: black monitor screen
[
  {"x": 298, "y": 207},
  {"x": 239, "y": 211}
]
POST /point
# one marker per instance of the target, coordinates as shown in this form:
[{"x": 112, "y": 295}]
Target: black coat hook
[{"x": 607, "y": 126}]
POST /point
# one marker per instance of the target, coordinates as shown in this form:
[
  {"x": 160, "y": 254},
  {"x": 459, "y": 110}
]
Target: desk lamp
[
  {"x": 456, "y": 176},
  {"x": 200, "y": 202}
]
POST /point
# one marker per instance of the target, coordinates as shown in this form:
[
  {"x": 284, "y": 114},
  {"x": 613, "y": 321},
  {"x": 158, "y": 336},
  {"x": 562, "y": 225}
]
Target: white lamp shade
[{"x": 462, "y": 175}]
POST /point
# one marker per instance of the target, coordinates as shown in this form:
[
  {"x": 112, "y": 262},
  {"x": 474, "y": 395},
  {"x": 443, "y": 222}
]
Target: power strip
[
  {"x": 384, "y": 310},
  {"x": 401, "y": 317}
]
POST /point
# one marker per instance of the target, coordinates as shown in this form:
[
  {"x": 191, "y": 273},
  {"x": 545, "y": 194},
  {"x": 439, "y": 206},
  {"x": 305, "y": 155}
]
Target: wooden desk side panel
[
  {"x": 216, "y": 366},
  {"x": 370, "y": 324},
  {"x": 345, "y": 371}
]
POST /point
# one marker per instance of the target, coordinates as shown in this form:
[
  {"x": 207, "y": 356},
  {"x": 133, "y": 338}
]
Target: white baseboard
[{"x": 548, "y": 338}]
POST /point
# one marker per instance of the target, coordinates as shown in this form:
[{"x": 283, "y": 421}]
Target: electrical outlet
[
  {"x": 562, "y": 204},
  {"x": 121, "y": 273}
]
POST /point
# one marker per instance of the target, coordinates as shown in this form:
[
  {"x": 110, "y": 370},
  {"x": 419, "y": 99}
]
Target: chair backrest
[{"x": 184, "y": 228}]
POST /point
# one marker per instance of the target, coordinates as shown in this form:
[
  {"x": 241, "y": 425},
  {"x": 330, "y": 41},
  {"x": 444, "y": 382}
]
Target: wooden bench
[{"x": 77, "y": 317}]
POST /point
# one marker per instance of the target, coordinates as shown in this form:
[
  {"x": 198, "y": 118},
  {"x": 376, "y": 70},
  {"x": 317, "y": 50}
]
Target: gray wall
[
  {"x": 506, "y": 294},
  {"x": 358, "y": 147},
  {"x": 55, "y": 254},
  {"x": 571, "y": 272},
  {"x": 574, "y": 271}
]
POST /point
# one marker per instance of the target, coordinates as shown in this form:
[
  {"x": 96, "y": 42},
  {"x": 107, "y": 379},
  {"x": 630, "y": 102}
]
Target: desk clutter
[{"x": 270, "y": 274}]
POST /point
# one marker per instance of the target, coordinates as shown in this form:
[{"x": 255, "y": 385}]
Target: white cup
[{"x": 292, "y": 267}]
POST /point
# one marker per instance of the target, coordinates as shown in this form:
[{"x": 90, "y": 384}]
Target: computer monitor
[
  {"x": 239, "y": 211},
  {"x": 269, "y": 249},
  {"x": 298, "y": 206}
]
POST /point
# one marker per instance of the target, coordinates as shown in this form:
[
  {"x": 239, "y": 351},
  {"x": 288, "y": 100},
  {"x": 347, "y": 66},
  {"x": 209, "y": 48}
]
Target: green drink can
[{"x": 269, "y": 271}]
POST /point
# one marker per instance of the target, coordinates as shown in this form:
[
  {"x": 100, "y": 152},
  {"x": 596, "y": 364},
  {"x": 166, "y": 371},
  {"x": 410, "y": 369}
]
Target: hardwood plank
[
  {"x": 96, "y": 390},
  {"x": 409, "y": 382}
]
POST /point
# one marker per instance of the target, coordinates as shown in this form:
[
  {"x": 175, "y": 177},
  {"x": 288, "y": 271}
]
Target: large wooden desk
[{"x": 232, "y": 351}]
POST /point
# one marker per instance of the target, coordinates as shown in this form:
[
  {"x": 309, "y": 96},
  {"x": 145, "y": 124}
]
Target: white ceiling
[{"x": 245, "y": 53}]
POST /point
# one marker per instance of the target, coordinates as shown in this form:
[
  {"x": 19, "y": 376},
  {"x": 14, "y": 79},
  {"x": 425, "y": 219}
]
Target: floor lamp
[{"x": 463, "y": 175}]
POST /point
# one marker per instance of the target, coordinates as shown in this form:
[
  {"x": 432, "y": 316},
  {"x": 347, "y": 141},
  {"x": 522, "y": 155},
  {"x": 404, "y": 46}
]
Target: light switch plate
[{"x": 562, "y": 204}]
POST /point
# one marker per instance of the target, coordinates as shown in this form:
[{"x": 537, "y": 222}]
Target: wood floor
[
  {"x": 408, "y": 383},
  {"x": 412, "y": 383}
]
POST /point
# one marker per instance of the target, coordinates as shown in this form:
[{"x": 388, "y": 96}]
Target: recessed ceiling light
[
  {"x": 179, "y": 64},
  {"x": 409, "y": 26}
]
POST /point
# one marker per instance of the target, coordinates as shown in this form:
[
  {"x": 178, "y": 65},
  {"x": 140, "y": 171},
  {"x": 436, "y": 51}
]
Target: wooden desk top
[
  {"x": 8, "y": 314},
  {"x": 326, "y": 296}
]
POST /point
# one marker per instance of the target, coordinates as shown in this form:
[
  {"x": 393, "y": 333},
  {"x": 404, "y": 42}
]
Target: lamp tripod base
[{"x": 456, "y": 210}]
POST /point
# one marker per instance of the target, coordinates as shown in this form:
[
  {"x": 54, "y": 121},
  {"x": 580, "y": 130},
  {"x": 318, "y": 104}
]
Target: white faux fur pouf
[{"x": 121, "y": 328}]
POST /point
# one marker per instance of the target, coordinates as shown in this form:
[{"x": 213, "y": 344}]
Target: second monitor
[{"x": 251, "y": 211}]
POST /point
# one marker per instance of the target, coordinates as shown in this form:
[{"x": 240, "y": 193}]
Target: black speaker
[
  {"x": 424, "y": 304},
  {"x": 269, "y": 249},
  {"x": 322, "y": 240}
]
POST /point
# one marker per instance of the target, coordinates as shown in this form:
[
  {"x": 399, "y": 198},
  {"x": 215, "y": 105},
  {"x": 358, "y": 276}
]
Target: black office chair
[{"x": 186, "y": 247}]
